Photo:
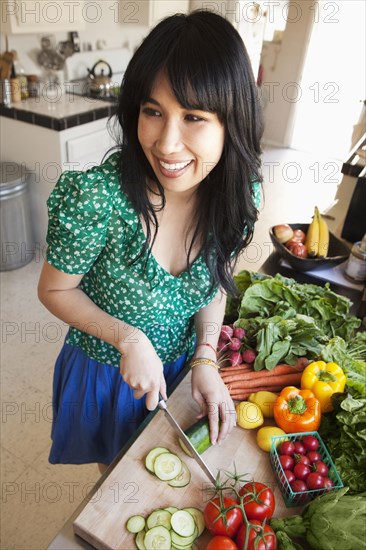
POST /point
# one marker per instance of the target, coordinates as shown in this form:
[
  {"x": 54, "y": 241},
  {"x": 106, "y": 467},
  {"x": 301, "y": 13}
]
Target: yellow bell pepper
[{"x": 323, "y": 379}]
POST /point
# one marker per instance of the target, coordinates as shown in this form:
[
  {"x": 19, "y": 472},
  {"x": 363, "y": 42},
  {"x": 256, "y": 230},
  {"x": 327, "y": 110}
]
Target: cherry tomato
[
  {"x": 221, "y": 543},
  {"x": 310, "y": 442},
  {"x": 298, "y": 486},
  {"x": 287, "y": 462},
  {"x": 219, "y": 520},
  {"x": 286, "y": 448},
  {"x": 259, "y": 501},
  {"x": 302, "y": 459},
  {"x": 260, "y": 538},
  {"x": 299, "y": 448},
  {"x": 314, "y": 456},
  {"x": 315, "y": 481},
  {"x": 301, "y": 471},
  {"x": 328, "y": 482},
  {"x": 320, "y": 468},
  {"x": 289, "y": 475}
]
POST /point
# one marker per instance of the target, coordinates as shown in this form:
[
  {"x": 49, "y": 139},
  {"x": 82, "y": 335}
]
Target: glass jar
[
  {"x": 356, "y": 265},
  {"x": 33, "y": 85}
]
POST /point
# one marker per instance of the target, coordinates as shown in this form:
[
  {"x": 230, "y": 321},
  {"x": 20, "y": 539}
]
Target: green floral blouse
[{"x": 94, "y": 230}]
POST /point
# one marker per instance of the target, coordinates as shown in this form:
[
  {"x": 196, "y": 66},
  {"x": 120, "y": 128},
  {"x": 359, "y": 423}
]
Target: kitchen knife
[{"x": 168, "y": 415}]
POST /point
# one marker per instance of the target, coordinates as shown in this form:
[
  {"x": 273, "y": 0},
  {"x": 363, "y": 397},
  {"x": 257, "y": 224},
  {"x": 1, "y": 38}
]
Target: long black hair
[{"x": 208, "y": 68}]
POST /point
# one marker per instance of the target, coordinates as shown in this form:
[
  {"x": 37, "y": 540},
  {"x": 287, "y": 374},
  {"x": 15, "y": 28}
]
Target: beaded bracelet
[
  {"x": 202, "y": 361},
  {"x": 208, "y": 345}
]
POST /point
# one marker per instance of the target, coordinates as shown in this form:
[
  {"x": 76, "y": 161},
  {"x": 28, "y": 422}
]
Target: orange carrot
[
  {"x": 280, "y": 370},
  {"x": 286, "y": 379}
]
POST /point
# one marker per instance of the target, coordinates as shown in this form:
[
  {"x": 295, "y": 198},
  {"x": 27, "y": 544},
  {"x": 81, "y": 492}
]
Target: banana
[
  {"x": 312, "y": 235},
  {"x": 323, "y": 237}
]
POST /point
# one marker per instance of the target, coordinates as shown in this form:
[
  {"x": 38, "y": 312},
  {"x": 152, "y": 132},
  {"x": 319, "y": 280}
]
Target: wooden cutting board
[{"x": 130, "y": 489}]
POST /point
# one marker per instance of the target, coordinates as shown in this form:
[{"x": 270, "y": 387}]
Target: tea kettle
[{"x": 100, "y": 84}]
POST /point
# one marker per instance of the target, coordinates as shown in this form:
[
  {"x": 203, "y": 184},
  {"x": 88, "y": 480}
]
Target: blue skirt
[{"x": 94, "y": 411}]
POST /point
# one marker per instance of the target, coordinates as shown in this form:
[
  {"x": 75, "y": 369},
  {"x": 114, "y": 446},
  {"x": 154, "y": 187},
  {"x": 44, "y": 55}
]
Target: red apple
[
  {"x": 299, "y": 249},
  {"x": 299, "y": 236},
  {"x": 283, "y": 233}
]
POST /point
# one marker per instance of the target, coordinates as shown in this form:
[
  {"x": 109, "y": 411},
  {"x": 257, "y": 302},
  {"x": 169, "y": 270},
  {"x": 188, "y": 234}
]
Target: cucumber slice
[
  {"x": 183, "y": 542},
  {"x": 158, "y": 538},
  {"x": 159, "y": 517},
  {"x": 183, "y": 523},
  {"x": 182, "y": 479},
  {"x": 171, "y": 509},
  {"x": 135, "y": 524},
  {"x": 151, "y": 456},
  {"x": 198, "y": 518},
  {"x": 167, "y": 466},
  {"x": 139, "y": 540}
]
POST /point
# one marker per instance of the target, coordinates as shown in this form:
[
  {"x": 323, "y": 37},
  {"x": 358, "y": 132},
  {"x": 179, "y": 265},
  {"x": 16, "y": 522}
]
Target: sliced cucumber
[
  {"x": 167, "y": 466},
  {"x": 199, "y": 436},
  {"x": 151, "y": 456},
  {"x": 179, "y": 541},
  {"x": 159, "y": 517},
  {"x": 139, "y": 540},
  {"x": 183, "y": 523},
  {"x": 135, "y": 524},
  {"x": 198, "y": 518},
  {"x": 157, "y": 538},
  {"x": 182, "y": 479},
  {"x": 171, "y": 509}
]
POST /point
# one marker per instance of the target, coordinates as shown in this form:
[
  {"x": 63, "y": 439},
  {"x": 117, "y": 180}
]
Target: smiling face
[{"x": 182, "y": 145}]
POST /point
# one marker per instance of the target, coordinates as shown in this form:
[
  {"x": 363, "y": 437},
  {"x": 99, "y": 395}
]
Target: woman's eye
[
  {"x": 193, "y": 118},
  {"x": 150, "y": 112}
]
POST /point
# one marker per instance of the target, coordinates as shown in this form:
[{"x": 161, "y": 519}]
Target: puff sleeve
[{"x": 79, "y": 210}]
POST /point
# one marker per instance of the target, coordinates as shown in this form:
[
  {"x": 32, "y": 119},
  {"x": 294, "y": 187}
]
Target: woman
[{"x": 142, "y": 248}]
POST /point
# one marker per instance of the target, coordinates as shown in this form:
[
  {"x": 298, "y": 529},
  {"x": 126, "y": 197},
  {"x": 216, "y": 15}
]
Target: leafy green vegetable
[
  {"x": 344, "y": 431},
  {"x": 348, "y": 355},
  {"x": 332, "y": 521},
  {"x": 285, "y": 320}
]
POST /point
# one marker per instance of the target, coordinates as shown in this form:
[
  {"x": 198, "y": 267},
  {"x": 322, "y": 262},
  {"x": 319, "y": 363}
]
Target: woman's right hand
[{"x": 142, "y": 369}]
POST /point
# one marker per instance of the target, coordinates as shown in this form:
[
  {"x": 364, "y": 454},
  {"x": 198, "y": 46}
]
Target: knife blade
[{"x": 168, "y": 415}]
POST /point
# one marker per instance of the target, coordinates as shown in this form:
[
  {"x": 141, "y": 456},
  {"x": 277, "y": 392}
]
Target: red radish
[
  {"x": 235, "y": 358},
  {"x": 222, "y": 345},
  {"x": 235, "y": 344},
  {"x": 239, "y": 333},
  {"x": 249, "y": 356},
  {"x": 226, "y": 332}
]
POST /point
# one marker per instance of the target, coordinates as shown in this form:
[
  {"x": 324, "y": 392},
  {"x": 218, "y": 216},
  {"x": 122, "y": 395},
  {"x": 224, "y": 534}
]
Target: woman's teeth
[{"x": 174, "y": 167}]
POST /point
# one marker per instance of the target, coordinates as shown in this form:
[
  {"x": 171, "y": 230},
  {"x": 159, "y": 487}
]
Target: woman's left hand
[{"x": 213, "y": 397}]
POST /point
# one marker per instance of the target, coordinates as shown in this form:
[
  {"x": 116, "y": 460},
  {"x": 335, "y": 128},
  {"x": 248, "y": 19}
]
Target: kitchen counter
[{"x": 60, "y": 112}]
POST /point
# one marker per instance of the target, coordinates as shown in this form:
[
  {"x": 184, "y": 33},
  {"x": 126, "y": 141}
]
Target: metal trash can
[{"x": 17, "y": 235}]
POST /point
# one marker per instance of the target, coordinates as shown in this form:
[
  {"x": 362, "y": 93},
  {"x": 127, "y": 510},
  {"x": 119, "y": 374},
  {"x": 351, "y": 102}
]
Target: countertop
[{"x": 59, "y": 111}]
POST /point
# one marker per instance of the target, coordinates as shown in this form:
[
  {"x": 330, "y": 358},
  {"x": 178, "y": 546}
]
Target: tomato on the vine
[
  {"x": 259, "y": 501},
  {"x": 259, "y": 537},
  {"x": 221, "y": 521},
  {"x": 221, "y": 543}
]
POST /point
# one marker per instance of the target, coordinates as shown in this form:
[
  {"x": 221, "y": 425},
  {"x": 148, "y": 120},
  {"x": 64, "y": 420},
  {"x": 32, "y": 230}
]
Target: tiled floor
[{"x": 37, "y": 498}]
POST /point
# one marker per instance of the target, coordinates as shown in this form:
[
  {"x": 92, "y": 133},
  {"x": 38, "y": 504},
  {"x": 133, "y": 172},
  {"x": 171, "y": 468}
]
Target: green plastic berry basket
[{"x": 289, "y": 496}]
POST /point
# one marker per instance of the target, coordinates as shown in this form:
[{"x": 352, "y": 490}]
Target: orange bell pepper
[{"x": 297, "y": 410}]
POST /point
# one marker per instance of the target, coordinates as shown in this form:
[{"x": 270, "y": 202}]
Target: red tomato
[
  {"x": 301, "y": 471},
  {"x": 259, "y": 501},
  {"x": 289, "y": 475},
  {"x": 299, "y": 448},
  {"x": 315, "y": 481},
  {"x": 221, "y": 543},
  {"x": 287, "y": 462},
  {"x": 314, "y": 456},
  {"x": 259, "y": 538},
  {"x": 219, "y": 520},
  {"x": 286, "y": 448},
  {"x": 298, "y": 486},
  {"x": 328, "y": 482},
  {"x": 320, "y": 468},
  {"x": 302, "y": 459},
  {"x": 310, "y": 442}
]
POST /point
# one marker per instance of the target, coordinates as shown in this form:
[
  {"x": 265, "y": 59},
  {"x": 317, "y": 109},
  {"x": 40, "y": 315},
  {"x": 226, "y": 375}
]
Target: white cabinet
[
  {"x": 41, "y": 16},
  {"x": 150, "y": 12}
]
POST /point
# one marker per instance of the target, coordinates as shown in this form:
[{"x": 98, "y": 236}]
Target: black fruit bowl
[{"x": 338, "y": 252}]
